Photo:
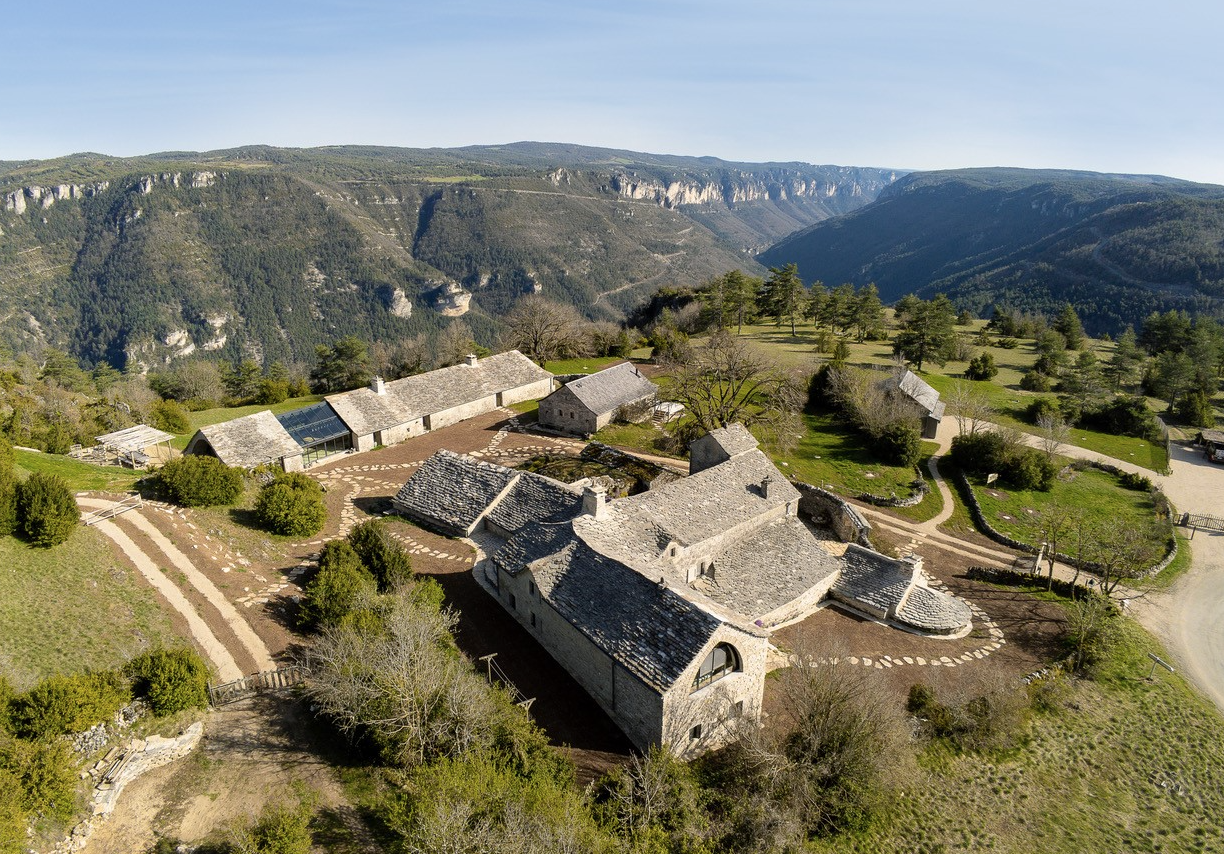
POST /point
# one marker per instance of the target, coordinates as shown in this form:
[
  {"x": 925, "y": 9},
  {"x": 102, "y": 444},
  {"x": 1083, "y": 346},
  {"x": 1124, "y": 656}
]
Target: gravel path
[{"x": 227, "y": 669}]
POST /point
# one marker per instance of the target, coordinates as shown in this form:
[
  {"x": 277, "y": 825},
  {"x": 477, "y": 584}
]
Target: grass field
[
  {"x": 81, "y": 477},
  {"x": 1094, "y": 493},
  {"x": 71, "y": 607},
  {"x": 1004, "y": 392}
]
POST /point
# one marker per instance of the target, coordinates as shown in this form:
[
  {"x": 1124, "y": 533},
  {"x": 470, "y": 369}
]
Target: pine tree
[
  {"x": 783, "y": 295},
  {"x": 868, "y": 312},
  {"x": 928, "y": 333},
  {"x": 1068, "y": 324}
]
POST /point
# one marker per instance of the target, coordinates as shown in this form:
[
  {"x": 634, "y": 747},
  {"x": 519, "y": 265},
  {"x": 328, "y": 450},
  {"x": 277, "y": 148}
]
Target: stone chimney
[
  {"x": 595, "y": 502},
  {"x": 378, "y": 386},
  {"x": 766, "y": 483},
  {"x": 470, "y": 360}
]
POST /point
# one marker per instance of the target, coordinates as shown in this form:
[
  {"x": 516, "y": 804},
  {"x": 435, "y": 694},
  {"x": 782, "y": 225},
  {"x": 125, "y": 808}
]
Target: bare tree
[
  {"x": 1054, "y": 433},
  {"x": 970, "y": 407},
  {"x": 725, "y": 381},
  {"x": 453, "y": 343},
  {"x": 1123, "y": 553},
  {"x": 1057, "y": 522},
  {"x": 543, "y": 330}
]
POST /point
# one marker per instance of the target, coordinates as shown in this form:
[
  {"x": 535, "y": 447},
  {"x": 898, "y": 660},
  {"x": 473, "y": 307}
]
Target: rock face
[
  {"x": 401, "y": 306},
  {"x": 743, "y": 187},
  {"x": 451, "y": 300}
]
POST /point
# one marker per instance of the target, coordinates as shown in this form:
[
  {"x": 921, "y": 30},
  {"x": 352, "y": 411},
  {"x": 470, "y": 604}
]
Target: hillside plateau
[
  {"x": 1117, "y": 247},
  {"x": 266, "y": 252}
]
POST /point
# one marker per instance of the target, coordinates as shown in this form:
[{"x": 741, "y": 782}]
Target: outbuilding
[{"x": 586, "y": 405}]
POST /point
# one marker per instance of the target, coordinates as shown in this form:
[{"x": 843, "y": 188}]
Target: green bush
[
  {"x": 382, "y": 555},
  {"x": 61, "y": 705},
  {"x": 1043, "y": 406},
  {"x": 12, "y": 815},
  {"x": 8, "y": 489},
  {"x": 1018, "y": 466},
  {"x": 45, "y": 778},
  {"x": 1035, "y": 381},
  {"x": 198, "y": 480},
  {"x": 1124, "y": 416},
  {"x": 272, "y": 391},
  {"x": 280, "y": 828},
  {"x": 340, "y": 586},
  {"x": 900, "y": 443},
  {"x": 170, "y": 679},
  {"x": 1030, "y": 469},
  {"x": 982, "y": 367},
  {"x": 169, "y": 415},
  {"x": 1135, "y": 481},
  {"x": 1196, "y": 410},
  {"x": 291, "y": 505},
  {"x": 46, "y": 509}
]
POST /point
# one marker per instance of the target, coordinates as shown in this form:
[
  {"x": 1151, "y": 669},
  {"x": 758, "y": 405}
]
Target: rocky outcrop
[
  {"x": 452, "y": 300},
  {"x": 400, "y": 305},
  {"x": 744, "y": 187}
]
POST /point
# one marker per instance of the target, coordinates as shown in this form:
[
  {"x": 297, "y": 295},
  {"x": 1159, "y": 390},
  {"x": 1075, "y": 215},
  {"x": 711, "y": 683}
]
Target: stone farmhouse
[
  {"x": 385, "y": 413},
  {"x": 923, "y": 399},
  {"x": 585, "y": 405},
  {"x": 661, "y": 604}
]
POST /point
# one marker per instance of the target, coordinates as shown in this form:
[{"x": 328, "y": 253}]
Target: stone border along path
[
  {"x": 227, "y": 668},
  {"x": 250, "y": 641}
]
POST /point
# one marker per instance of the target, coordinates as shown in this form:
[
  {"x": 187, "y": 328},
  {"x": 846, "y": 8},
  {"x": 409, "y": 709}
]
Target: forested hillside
[
  {"x": 265, "y": 253},
  {"x": 1117, "y": 247}
]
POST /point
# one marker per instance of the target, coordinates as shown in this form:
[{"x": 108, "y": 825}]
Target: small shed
[
  {"x": 136, "y": 447},
  {"x": 588, "y": 404},
  {"x": 923, "y": 397},
  {"x": 1213, "y": 444}
]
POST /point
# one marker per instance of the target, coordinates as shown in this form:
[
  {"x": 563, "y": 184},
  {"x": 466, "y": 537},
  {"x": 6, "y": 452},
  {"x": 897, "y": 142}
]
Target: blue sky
[{"x": 1109, "y": 86}]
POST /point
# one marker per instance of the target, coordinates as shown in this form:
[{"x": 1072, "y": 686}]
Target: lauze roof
[
  {"x": 251, "y": 440},
  {"x": 612, "y": 388}
]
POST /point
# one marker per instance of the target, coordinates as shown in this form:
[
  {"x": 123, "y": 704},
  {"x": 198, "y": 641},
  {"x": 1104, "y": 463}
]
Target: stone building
[
  {"x": 252, "y": 440},
  {"x": 922, "y": 398},
  {"x": 661, "y": 604},
  {"x": 588, "y": 404}
]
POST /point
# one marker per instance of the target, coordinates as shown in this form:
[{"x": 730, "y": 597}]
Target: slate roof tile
[
  {"x": 451, "y": 491},
  {"x": 251, "y": 440},
  {"x": 611, "y": 388}
]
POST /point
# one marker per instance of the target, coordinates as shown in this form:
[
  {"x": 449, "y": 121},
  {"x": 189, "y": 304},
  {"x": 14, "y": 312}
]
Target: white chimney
[
  {"x": 378, "y": 386},
  {"x": 470, "y": 360},
  {"x": 595, "y": 502}
]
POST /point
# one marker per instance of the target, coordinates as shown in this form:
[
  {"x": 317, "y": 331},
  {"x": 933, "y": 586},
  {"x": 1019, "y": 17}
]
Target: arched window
[{"x": 722, "y": 660}]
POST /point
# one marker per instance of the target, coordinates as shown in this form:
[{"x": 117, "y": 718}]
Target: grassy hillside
[{"x": 1117, "y": 247}]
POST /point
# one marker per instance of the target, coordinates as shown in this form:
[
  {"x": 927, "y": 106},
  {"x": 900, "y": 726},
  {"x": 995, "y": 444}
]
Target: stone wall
[
  {"x": 531, "y": 391},
  {"x": 920, "y": 489},
  {"x": 121, "y": 766},
  {"x": 820, "y": 504},
  {"x": 447, "y": 417}
]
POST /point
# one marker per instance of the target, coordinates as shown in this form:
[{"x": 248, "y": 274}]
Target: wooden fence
[
  {"x": 132, "y": 502},
  {"x": 247, "y": 686},
  {"x": 1200, "y": 520}
]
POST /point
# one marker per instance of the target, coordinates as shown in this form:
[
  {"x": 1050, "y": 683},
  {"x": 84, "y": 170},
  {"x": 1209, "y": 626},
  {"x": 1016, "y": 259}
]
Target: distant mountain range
[
  {"x": 1115, "y": 246},
  {"x": 267, "y": 252}
]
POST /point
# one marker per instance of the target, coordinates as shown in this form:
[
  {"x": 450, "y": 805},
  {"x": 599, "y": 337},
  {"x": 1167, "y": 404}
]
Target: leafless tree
[
  {"x": 1123, "y": 553},
  {"x": 1054, "y": 433},
  {"x": 970, "y": 407},
  {"x": 544, "y": 330},
  {"x": 725, "y": 381},
  {"x": 413, "y": 355},
  {"x": 453, "y": 343},
  {"x": 1057, "y": 523}
]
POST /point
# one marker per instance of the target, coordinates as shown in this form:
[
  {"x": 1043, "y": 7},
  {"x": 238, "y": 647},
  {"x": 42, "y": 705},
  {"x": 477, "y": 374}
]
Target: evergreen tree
[
  {"x": 783, "y": 295},
  {"x": 344, "y": 365},
  {"x": 47, "y": 510},
  {"x": 839, "y": 308},
  {"x": 8, "y": 490},
  {"x": 739, "y": 296},
  {"x": 928, "y": 334},
  {"x": 1124, "y": 368},
  {"x": 1068, "y": 325},
  {"x": 867, "y": 312}
]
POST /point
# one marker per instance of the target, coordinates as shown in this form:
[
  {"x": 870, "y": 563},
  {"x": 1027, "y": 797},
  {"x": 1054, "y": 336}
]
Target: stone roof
[
  {"x": 411, "y": 398},
  {"x": 640, "y": 624},
  {"x": 733, "y": 439},
  {"x": 775, "y": 565},
  {"x": 532, "y": 499},
  {"x": 251, "y": 440},
  {"x": 921, "y": 393},
  {"x": 451, "y": 491},
  {"x": 933, "y": 611},
  {"x": 612, "y": 388},
  {"x": 872, "y": 579},
  {"x": 688, "y": 511}
]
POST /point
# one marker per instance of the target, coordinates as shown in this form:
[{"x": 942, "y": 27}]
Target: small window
[
  {"x": 513, "y": 602},
  {"x": 531, "y": 587},
  {"x": 722, "y": 660},
  {"x": 533, "y": 622},
  {"x": 737, "y": 709},
  {"x": 695, "y": 732}
]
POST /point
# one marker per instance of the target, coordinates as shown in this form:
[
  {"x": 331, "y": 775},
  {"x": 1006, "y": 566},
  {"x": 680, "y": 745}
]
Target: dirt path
[
  {"x": 213, "y": 649},
  {"x": 246, "y": 635}
]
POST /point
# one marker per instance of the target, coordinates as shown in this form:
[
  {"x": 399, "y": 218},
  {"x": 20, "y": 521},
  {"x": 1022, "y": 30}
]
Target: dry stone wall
[{"x": 844, "y": 519}]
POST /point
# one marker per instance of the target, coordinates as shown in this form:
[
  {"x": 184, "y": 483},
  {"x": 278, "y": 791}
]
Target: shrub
[
  {"x": 1007, "y": 343},
  {"x": 291, "y": 505},
  {"x": 1021, "y": 467},
  {"x": 170, "y": 416},
  {"x": 1135, "y": 481},
  {"x": 280, "y": 828},
  {"x": 12, "y": 815},
  {"x": 385, "y": 558},
  {"x": 272, "y": 391},
  {"x": 1041, "y": 407},
  {"x": 986, "y": 717},
  {"x": 1030, "y": 469},
  {"x": 8, "y": 490},
  {"x": 46, "y": 509},
  {"x": 340, "y": 586},
  {"x": 981, "y": 367},
  {"x": 1035, "y": 381},
  {"x": 198, "y": 480},
  {"x": 61, "y": 705},
  {"x": 1196, "y": 409},
  {"x": 900, "y": 443},
  {"x": 1124, "y": 416},
  {"x": 45, "y": 777},
  {"x": 170, "y": 679}
]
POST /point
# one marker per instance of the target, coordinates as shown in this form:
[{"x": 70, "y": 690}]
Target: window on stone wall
[
  {"x": 533, "y": 622},
  {"x": 531, "y": 587},
  {"x": 722, "y": 660},
  {"x": 695, "y": 732},
  {"x": 513, "y": 602},
  {"x": 737, "y": 709}
]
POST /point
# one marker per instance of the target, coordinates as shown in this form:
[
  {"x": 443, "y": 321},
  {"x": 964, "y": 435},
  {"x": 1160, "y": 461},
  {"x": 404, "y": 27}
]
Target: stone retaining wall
[
  {"x": 121, "y": 766},
  {"x": 920, "y": 489},
  {"x": 844, "y": 519}
]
